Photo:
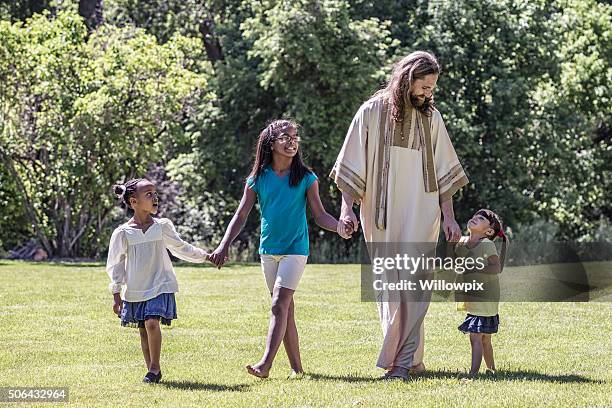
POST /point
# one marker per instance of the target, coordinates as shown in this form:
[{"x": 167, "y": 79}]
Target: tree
[
  {"x": 164, "y": 18},
  {"x": 310, "y": 61},
  {"x": 79, "y": 115},
  {"x": 91, "y": 11}
]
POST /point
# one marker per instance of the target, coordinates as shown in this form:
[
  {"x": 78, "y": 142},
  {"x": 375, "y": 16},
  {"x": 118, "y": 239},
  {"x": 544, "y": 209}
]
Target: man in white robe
[{"x": 399, "y": 164}]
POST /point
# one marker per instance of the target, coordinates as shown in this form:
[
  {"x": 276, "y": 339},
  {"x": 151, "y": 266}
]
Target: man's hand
[
  {"x": 117, "y": 304},
  {"x": 451, "y": 230},
  {"x": 345, "y": 228},
  {"x": 347, "y": 216},
  {"x": 219, "y": 256}
]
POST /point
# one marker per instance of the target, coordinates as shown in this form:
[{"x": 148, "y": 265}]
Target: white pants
[{"x": 284, "y": 271}]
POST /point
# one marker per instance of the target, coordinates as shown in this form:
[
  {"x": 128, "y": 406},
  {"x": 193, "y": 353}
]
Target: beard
[{"x": 417, "y": 103}]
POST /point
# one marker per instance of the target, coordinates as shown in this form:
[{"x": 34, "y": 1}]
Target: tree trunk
[
  {"x": 211, "y": 42},
  {"x": 91, "y": 11},
  {"x": 28, "y": 204}
]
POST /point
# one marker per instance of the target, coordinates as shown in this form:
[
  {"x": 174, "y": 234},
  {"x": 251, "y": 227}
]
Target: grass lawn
[{"x": 57, "y": 329}]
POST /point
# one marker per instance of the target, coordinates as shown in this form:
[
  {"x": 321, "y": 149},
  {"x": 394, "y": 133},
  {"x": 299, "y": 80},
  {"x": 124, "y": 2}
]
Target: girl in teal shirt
[{"x": 282, "y": 184}]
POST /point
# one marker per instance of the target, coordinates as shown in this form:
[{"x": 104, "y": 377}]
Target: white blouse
[{"x": 139, "y": 265}]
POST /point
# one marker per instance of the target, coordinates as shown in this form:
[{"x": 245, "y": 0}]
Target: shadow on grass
[
  {"x": 500, "y": 376},
  {"x": 193, "y": 385}
]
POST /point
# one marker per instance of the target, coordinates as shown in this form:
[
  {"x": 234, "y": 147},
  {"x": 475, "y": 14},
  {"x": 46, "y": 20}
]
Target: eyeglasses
[{"x": 286, "y": 138}]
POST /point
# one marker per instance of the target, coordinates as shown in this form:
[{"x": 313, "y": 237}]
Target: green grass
[{"x": 57, "y": 329}]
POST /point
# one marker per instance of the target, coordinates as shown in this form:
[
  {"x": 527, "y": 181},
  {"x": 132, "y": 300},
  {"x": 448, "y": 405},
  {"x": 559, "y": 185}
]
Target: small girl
[
  {"x": 482, "y": 316},
  {"x": 140, "y": 268},
  {"x": 282, "y": 184}
]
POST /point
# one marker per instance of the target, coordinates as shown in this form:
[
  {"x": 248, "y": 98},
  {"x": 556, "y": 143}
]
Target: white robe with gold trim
[{"x": 402, "y": 210}]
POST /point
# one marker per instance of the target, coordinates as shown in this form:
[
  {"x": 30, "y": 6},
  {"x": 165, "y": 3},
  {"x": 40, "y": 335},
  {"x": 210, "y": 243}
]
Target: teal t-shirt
[{"x": 284, "y": 230}]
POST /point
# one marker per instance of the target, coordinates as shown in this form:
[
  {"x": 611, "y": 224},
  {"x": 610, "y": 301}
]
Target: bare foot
[
  {"x": 258, "y": 371},
  {"x": 387, "y": 373},
  {"x": 417, "y": 369}
]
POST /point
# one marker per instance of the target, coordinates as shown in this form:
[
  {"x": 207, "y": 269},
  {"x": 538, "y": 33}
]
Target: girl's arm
[
  {"x": 115, "y": 267},
  {"x": 219, "y": 255},
  {"x": 322, "y": 217},
  {"x": 179, "y": 248}
]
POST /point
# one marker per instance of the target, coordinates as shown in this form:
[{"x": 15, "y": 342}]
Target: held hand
[
  {"x": 117, "y": 304},
  {"x": 219, "y": 256},
  {"x": 452, "y": 231},
  {"x": 347, "y": 215},
  {"x": 344, "y": 229}
]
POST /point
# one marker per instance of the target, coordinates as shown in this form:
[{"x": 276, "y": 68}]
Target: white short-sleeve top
[{"x": 139, "y": 265}]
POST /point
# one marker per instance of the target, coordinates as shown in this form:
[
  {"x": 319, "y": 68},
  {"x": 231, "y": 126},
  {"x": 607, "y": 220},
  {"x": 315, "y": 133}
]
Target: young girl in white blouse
[{"x": 143, "y": 282}]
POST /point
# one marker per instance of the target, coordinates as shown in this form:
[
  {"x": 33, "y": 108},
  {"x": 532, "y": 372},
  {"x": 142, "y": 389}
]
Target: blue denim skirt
[
  {"x": 480, "y": 324},
  {"x": 162, "y": 307}
]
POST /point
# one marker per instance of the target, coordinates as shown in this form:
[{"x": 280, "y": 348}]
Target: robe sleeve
[
  {"x": 115, "y": 263},
  {"x": 450, "y": 174},
  {"x": 349, "y": 171},
  {"x": 179, "y": 248}
]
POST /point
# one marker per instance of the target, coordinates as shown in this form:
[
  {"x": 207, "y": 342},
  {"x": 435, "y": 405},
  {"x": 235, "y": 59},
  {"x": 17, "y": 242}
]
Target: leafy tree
[
  {"x": 306, "y": 60},
  {"x": 79, "y": 115},
  {"x": 528, "y": 156}
]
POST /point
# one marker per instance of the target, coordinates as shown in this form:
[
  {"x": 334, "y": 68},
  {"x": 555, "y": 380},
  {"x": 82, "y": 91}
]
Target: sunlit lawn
[{"x": 57, "y": 329}]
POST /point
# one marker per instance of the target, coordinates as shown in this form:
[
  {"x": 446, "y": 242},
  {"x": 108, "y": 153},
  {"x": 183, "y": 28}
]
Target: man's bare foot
[
  {"x": 387, "y": 373},
  {"x": 417, "y": 369},
  {"x": 258, "y": 371}
]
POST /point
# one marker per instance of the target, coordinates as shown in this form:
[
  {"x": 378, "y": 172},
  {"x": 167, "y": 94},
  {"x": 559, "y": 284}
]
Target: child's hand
[
  {"x": 209, "y": 258},
  {"x": 117, "y": 304},
  {"x": 345, "y": 228},
  {"x": 454, "y": 239}
]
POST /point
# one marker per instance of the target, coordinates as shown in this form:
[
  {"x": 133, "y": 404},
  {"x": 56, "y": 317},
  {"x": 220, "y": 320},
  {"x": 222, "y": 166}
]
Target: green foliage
[
  {"x": 161, "y": 18},
  {"x": 576, "y": 113},
  {"x": 490, "y": 60},
  {"x": 81, "y": 113},
  {"x": 307, "y": 61},
  {"x": 21, "y": 9},
  {"x": 509, "y": 69},
  {"x": 320, "y": 64},
  {"x": 524, "y": 93}
]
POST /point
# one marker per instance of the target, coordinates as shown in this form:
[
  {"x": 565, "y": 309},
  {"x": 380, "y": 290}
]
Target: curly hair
[{"x": 124, "y": 192}]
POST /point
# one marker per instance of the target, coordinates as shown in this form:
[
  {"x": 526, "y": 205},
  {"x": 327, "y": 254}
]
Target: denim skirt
[
  {"x": 480, "y": 324},
  {"x": 162, "y": 307}
]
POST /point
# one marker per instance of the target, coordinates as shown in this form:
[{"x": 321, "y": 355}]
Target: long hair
[
  {"x": 498, "y": 231},
  {"x": 416, "y": 65},
  {"x": 263, "y": 152}
]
